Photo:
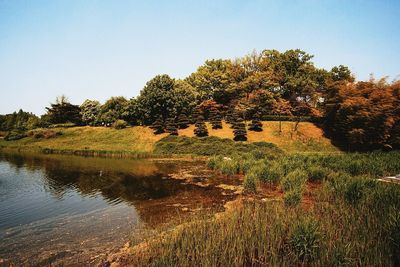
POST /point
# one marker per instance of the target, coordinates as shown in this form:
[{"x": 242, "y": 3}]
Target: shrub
[
  {"x": 250, "y": 183},
  {"x": 304, "y": 241},
  {"x": 120, "y": 124},
  {"x": 214, "y": 162},
  {"x": 292, "y": 198},
  {"x": 183, "y": 121},
  {"x": 295, "y": 180},
  {"x": 356, "y": 189},
  {"x": 14, "y": 135},
  {"x": 230, "y": 167},
  {"x": 266, "y": 173},
  {"x": 158, "y": 126},
  {"x": 317, "y": 173},
  {"x": 171, "y": 126}
]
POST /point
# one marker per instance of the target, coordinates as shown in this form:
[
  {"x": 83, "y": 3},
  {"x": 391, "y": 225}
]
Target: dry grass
[{"x": 307, "y": 138}]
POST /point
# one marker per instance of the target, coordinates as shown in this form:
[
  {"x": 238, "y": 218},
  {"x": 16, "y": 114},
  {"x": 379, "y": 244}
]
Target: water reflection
[{"x": 52, "y": 203}]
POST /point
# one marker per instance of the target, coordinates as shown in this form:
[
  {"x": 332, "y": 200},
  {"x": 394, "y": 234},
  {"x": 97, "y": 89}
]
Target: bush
[
  {"x": 120, "y": 124},
  {"x": 43, "y": 133},
  {"x": 292, "y": 198},
  {"x": 250, "y": 183},
  {"x": 208, "y": 146},
  {"x": 317, "y": 173},
  {"x": 214, "y": 162},
  {"x": 14, "y": 135},
  {"x": 295, "y": 180},
  {"x": 304, "y": 241},
  {"x": 230, "y": 167},
  {"x": 356, "y": 189}
]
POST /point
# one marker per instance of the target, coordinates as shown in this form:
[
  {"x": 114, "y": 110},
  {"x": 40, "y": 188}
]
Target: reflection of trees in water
[
  {"x": 115, "y": 179},
  {"x": 131, "y": 181}
]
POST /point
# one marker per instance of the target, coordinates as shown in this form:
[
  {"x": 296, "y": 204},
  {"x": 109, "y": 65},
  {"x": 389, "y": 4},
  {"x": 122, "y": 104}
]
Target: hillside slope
[{"x": 141, "y": 139}]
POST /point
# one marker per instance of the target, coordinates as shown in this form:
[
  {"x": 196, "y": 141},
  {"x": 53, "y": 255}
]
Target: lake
[{"x": 59, "y": 209}]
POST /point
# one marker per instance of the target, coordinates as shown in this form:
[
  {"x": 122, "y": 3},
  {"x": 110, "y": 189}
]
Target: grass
[
  {"x": 207, "y": 146},
  {"x": 129, "y": 140},
  {"x": 141, "y": 140},
  {"x": 308, "y": 138},
  {"x": 355, "y": 220}
]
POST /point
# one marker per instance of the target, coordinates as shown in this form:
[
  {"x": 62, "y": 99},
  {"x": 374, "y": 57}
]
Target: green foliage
[
  {"x": 256, "y": 124},
  {"x": 112, "y": 110},
  {"x": 120, "y": 124},
  {"x": 158, "y": 126},
  {"x": 90, "y": 110},
  {"x": 62, "y": 112},
  {"x": 14, "y": 135},
  {"x": 20, "y": 120},
  {"x": 294, "y": 180},
  {"x": 200, "y": 129},
  {"x": 164, "y": 96},
  {"x": 208, "y": 146},
  {"x": 239, "y": 132},
  {"x": 317, "y": 173},
  {"x": 292, "y": 198},
  {"x": 250, "y": 183},
  {"x": 171, "y": 126},
  {"x": 183, "y": 121},
  {"x": 305, "y": 241},
  {"x": 215, "y": 118}
]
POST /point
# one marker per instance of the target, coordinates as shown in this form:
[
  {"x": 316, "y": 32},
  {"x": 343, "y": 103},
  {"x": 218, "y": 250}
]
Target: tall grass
[{"x": 333, "y": 233}]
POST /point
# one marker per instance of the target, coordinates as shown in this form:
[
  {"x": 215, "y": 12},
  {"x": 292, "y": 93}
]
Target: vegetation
[
  {"x": 158, "y": 126},
  {"x": 353, "y": 220},
  {"x": 207, "y": 146},
  {"x": 201, "y": 129},
  {"x": 171, "y": 127},
  {"x": 270, "y": 85}
]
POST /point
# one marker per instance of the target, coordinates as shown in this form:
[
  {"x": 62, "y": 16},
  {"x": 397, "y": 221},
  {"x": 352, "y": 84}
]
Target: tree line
[{"x": 266, "y": 85}]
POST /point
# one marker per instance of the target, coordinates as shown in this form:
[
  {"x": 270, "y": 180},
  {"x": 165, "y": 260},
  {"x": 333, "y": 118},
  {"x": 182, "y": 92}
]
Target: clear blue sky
[{"x": 98, "y": 49}]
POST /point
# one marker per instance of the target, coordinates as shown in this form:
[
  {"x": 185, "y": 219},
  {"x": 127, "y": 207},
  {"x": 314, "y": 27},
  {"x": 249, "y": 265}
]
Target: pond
[{"x": 69, "y": 210}]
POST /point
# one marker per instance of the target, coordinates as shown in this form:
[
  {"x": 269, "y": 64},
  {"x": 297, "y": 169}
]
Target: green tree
[
  {"x": 212, "y": 80},
  {"x": 62, "y": 111},
  {"x": 171, "y": 126},
  {"x": 157, "y": 99},
  {"x": 90, "y": 111},
  {"x": 113, "y": 110}
]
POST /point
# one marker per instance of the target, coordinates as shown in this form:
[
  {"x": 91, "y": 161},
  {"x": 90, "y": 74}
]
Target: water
[{"x": 72, "y": 210}]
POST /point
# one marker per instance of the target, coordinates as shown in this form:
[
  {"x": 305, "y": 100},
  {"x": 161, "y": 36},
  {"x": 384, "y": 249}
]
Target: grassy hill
[{"x": 141, "y": 139}]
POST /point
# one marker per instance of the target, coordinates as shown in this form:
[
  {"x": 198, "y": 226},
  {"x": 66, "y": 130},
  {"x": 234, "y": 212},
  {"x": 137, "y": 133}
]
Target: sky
[{"x": 95, "y": 49}]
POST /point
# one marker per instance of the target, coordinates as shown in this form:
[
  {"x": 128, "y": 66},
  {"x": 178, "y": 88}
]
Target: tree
[
  {"x": 212, "y": 80},
  {"x": 215, "y": 118},
  {"x": 90, "y": 111},
  {"x": 171, "y": 126},
  {"x": 256, "y": 124},
  {"x": 183, "y": 121},
  {"x": 62, "y": 111},
  {"x": 282, "y": 108},
  {"x": 240, "y": 133},
  {"x": 158, "y": 126},
  {"x": 363, "y": 115},
  {"x": 200, "y": 129},
  {"x": 157, "y": 99}
]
